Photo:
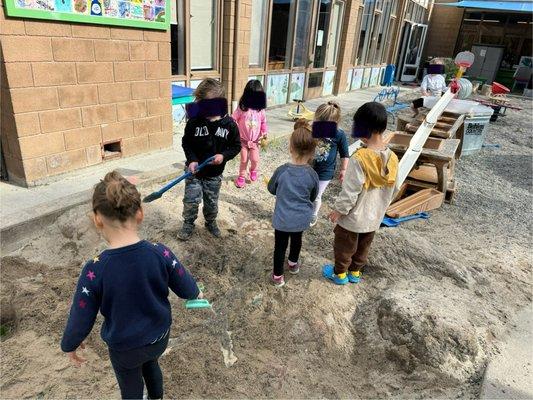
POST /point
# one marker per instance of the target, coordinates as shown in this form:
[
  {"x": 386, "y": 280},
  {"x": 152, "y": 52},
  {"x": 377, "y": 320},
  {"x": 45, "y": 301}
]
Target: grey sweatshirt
[
  {"x": 295, "y": 188},
  {"x": 362, "y": 210}
]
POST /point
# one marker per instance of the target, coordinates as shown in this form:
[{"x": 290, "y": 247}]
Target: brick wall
[
  {"x": 67, "y": 88},
  {"x": 443, "y": 30}
]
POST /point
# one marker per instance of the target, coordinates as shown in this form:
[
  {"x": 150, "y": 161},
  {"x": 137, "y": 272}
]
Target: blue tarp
[
  {"x": 181, "y": 91},
  {"x": 519, "y": 6}
]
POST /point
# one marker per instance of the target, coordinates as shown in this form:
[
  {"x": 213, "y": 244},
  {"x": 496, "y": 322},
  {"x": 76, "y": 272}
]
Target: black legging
[
  {"x": 280, "y": 248},
  {"x": 132, "y": 367}
]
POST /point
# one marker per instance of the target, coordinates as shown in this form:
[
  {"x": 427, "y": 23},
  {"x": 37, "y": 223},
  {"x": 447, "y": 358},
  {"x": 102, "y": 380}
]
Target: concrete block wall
[{"x": 68, "y": 88}]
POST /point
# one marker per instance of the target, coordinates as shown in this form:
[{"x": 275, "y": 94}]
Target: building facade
[{"x": 76, "y": 94}]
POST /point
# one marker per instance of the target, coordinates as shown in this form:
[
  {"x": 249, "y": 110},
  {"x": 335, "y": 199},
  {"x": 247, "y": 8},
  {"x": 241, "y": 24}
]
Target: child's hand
[
  {"x": 334, "y": 216},
  {"x": 193, "y": 166},
  {"x": 219, "y": 158},
  {"x": 75, "y": 358},
  {"x": 200, "y": 295},
  {"x": 342, "y": 172}
]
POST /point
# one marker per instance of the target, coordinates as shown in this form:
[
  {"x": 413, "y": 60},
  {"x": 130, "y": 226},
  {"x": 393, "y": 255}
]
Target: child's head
[
  {"x": 252, "y": 87},
  {"x": 329, "y": 111},
  {"x": 437, "y": 61},
  {"x": 370, "y": 119},
  {"x": 116, "y": 202},
  {"x": 436, "y": 66},
  {"x": 209, "y": 88},
  {"x": 302, "y": 144}
]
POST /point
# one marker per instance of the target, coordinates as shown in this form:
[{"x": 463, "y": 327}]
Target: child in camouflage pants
[{"x": 205, "y": 137}]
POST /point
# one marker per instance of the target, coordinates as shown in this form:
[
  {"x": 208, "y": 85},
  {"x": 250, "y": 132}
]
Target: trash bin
[
  {"x": 475, "y": 129},
  {"x": 388, "y": 76}
]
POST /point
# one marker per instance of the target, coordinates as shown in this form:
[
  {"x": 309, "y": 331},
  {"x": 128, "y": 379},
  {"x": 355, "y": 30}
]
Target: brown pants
[{"x": 351, "y": 249}]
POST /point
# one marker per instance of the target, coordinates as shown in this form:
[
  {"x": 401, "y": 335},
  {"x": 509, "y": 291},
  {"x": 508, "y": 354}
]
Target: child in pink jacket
[{"x": 252, "y": 127}]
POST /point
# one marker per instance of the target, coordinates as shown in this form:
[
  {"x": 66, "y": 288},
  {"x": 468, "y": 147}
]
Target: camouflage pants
[{"x": 197, "y": 189}]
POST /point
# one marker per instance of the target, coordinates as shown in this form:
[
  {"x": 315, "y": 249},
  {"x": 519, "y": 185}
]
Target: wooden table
[{"x": 443, "y": 159}]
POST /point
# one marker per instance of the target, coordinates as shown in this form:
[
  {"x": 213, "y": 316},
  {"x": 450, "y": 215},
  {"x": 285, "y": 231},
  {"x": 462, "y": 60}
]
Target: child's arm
[
  {"x": 85, "y": 306},
  {"x": 264, "y": 128},
  {"x": 273, "y": 182},
  {"x": 424, "y": 86},
  {"x": 351, "y": 187},
  {"x": 180, "y": 281},
  {"x": 186, "y": 143},
  {"x": 344, "y": 154},
  {"x": 314, "y": 191},
  {"x": 234, "y": 143}
]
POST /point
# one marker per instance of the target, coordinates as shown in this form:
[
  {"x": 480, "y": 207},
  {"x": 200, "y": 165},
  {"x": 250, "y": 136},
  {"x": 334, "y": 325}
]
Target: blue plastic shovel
[
  {"x": 156, "y": 195},
  {"x": 393, "y": 222}
]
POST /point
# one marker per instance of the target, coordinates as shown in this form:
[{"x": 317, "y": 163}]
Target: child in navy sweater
[{"x": 129, "y": 284}]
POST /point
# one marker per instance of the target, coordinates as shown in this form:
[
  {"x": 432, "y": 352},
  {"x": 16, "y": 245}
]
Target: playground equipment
[
  {"x": 387, "y": 93},
  {"x": 298, "y": 111}
]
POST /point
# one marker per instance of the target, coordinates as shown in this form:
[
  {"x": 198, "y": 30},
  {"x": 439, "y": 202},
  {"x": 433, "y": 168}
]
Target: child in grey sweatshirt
[{"x": 295, "y": 186}]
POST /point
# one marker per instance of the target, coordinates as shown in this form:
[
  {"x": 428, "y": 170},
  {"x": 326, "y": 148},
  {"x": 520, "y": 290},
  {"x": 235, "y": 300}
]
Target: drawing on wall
[
  {"x": 277, "y": 89},
  {"x": 366, "y": 77},
  {"x": 357, "y": 78},
  {"x": 374, "y": 77},
  {"x": 297, "y": 86},
  {"x": 349, "y": 80},
  {"x": 329, "y": 77},
  {"x": 137, "y": 13}
]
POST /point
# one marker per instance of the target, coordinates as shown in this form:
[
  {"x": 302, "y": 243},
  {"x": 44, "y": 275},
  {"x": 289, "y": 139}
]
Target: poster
[
  {"x": 277, "y": 88},
  {"x": 374, "y": 77},
  {"x": 135, "y": 13},
  {"x": 366, "y": 77},
  {"x": 357, "y": 78},
  {"x": 329, "y": 77},
  {"x": 297, "y": 86},
  {"x": 349, "y": 80}
]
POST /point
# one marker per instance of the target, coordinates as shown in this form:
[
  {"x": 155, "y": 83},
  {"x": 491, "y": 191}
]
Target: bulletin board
[{"x": 152, "y": 14}]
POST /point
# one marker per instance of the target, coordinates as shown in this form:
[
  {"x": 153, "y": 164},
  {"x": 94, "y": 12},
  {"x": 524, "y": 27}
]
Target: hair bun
[
  {"x": 116, "y": 197},
  {"x": 302, "y": 123}
]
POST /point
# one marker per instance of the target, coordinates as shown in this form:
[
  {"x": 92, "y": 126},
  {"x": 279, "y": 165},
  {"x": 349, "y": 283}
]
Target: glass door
[{"x": 413, "y": 52}]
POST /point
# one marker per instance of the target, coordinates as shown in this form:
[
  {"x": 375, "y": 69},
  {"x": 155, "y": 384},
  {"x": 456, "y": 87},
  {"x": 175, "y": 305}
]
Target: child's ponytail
[
  {"x": 302, "y": 123},
  {"x": 116, "y": 198}
]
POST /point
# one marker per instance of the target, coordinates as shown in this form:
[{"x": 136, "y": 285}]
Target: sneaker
[
  {"x": 278, "y": 281},
  {"x": 329, "y": 272},
  {"x": 314, "y": 220},
  {"x": 294, "y": 268},
  {"x": 354, "y": 276},
  {"x": 253, "y": 176},
  {"x": 212, "y": 227},
  {"x": 240, "y": 182},
  {"x": 186, "y": 231}
]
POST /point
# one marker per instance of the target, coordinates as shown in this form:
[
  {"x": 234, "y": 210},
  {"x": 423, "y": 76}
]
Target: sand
[{"x": 429, "y": 313}]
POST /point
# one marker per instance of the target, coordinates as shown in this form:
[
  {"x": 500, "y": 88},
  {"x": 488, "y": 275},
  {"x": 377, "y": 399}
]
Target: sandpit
[{"x": 430, "y": 312}]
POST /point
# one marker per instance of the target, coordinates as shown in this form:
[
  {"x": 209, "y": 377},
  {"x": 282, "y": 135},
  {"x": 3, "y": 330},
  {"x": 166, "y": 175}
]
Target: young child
[
  {"x": 367, "y": 191},
  {"x": 128, "y": 283},
  {"x": 433, "y": 84},
  {"x": 252, "y": 128},
  {"x": 326, "y": 153},
  {"x": 295, "y": 186},
  {"x": 205, "y": 137}
]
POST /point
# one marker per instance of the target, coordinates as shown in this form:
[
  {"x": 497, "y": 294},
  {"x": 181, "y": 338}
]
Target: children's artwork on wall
[
  {"x": 349, "y": 79},
  {"x": 277, "y": 88},
  {"x": 366, "y": 77},
  {"x": 374, "y": 76},
  {"x": 136, "y": 13},
  {"x": 329, "y": 77},
  {"x": 357, "y": 78},
  {"x": 297, "y": 86}
]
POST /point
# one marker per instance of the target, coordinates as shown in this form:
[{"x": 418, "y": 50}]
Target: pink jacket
[{"x": 252, "y": 126}]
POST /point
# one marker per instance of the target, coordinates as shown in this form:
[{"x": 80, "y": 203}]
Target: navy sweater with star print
[{"x": 130, "y": 287}]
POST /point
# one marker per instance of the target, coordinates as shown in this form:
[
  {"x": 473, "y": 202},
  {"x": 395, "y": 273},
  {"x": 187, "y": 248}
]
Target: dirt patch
[{"x": 423, "y": 322}]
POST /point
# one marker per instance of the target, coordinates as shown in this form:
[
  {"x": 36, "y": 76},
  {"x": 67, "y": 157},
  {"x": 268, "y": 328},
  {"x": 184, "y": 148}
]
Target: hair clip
[
  {"x": 435, "y": 69},
  {"x": 324, "y": 129},
  {"x": 255, "y": 100}
]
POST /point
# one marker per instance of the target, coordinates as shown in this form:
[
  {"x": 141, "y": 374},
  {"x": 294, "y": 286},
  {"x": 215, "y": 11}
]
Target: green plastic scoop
[{"x": 198, "y": 303}]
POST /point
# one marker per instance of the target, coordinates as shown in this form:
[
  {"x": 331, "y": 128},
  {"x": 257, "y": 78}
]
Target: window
[
  {"x": 257, "y": 35},
  {"x": 356, "y": 41},
  {"x": 303, "y": 26},
  {"x": 364, "y": 36},
  {"x": 177, "y": 38},
  {"x": 335, "y": 29},
  {"x": 384, "y": 26},
  {"x": 203, "y": 38},
  {"x": 279, "y": 53},
  {"x": 322, "y": 33}
]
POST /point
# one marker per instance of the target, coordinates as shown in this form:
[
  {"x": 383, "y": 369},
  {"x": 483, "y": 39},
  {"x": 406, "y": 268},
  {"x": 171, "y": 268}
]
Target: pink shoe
[
  {"x": 294, "y": 268},
  {"x": 240, "y": 182},
  {"x": 278, "y": 281},
  {"x": 253, "y": 176}
]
